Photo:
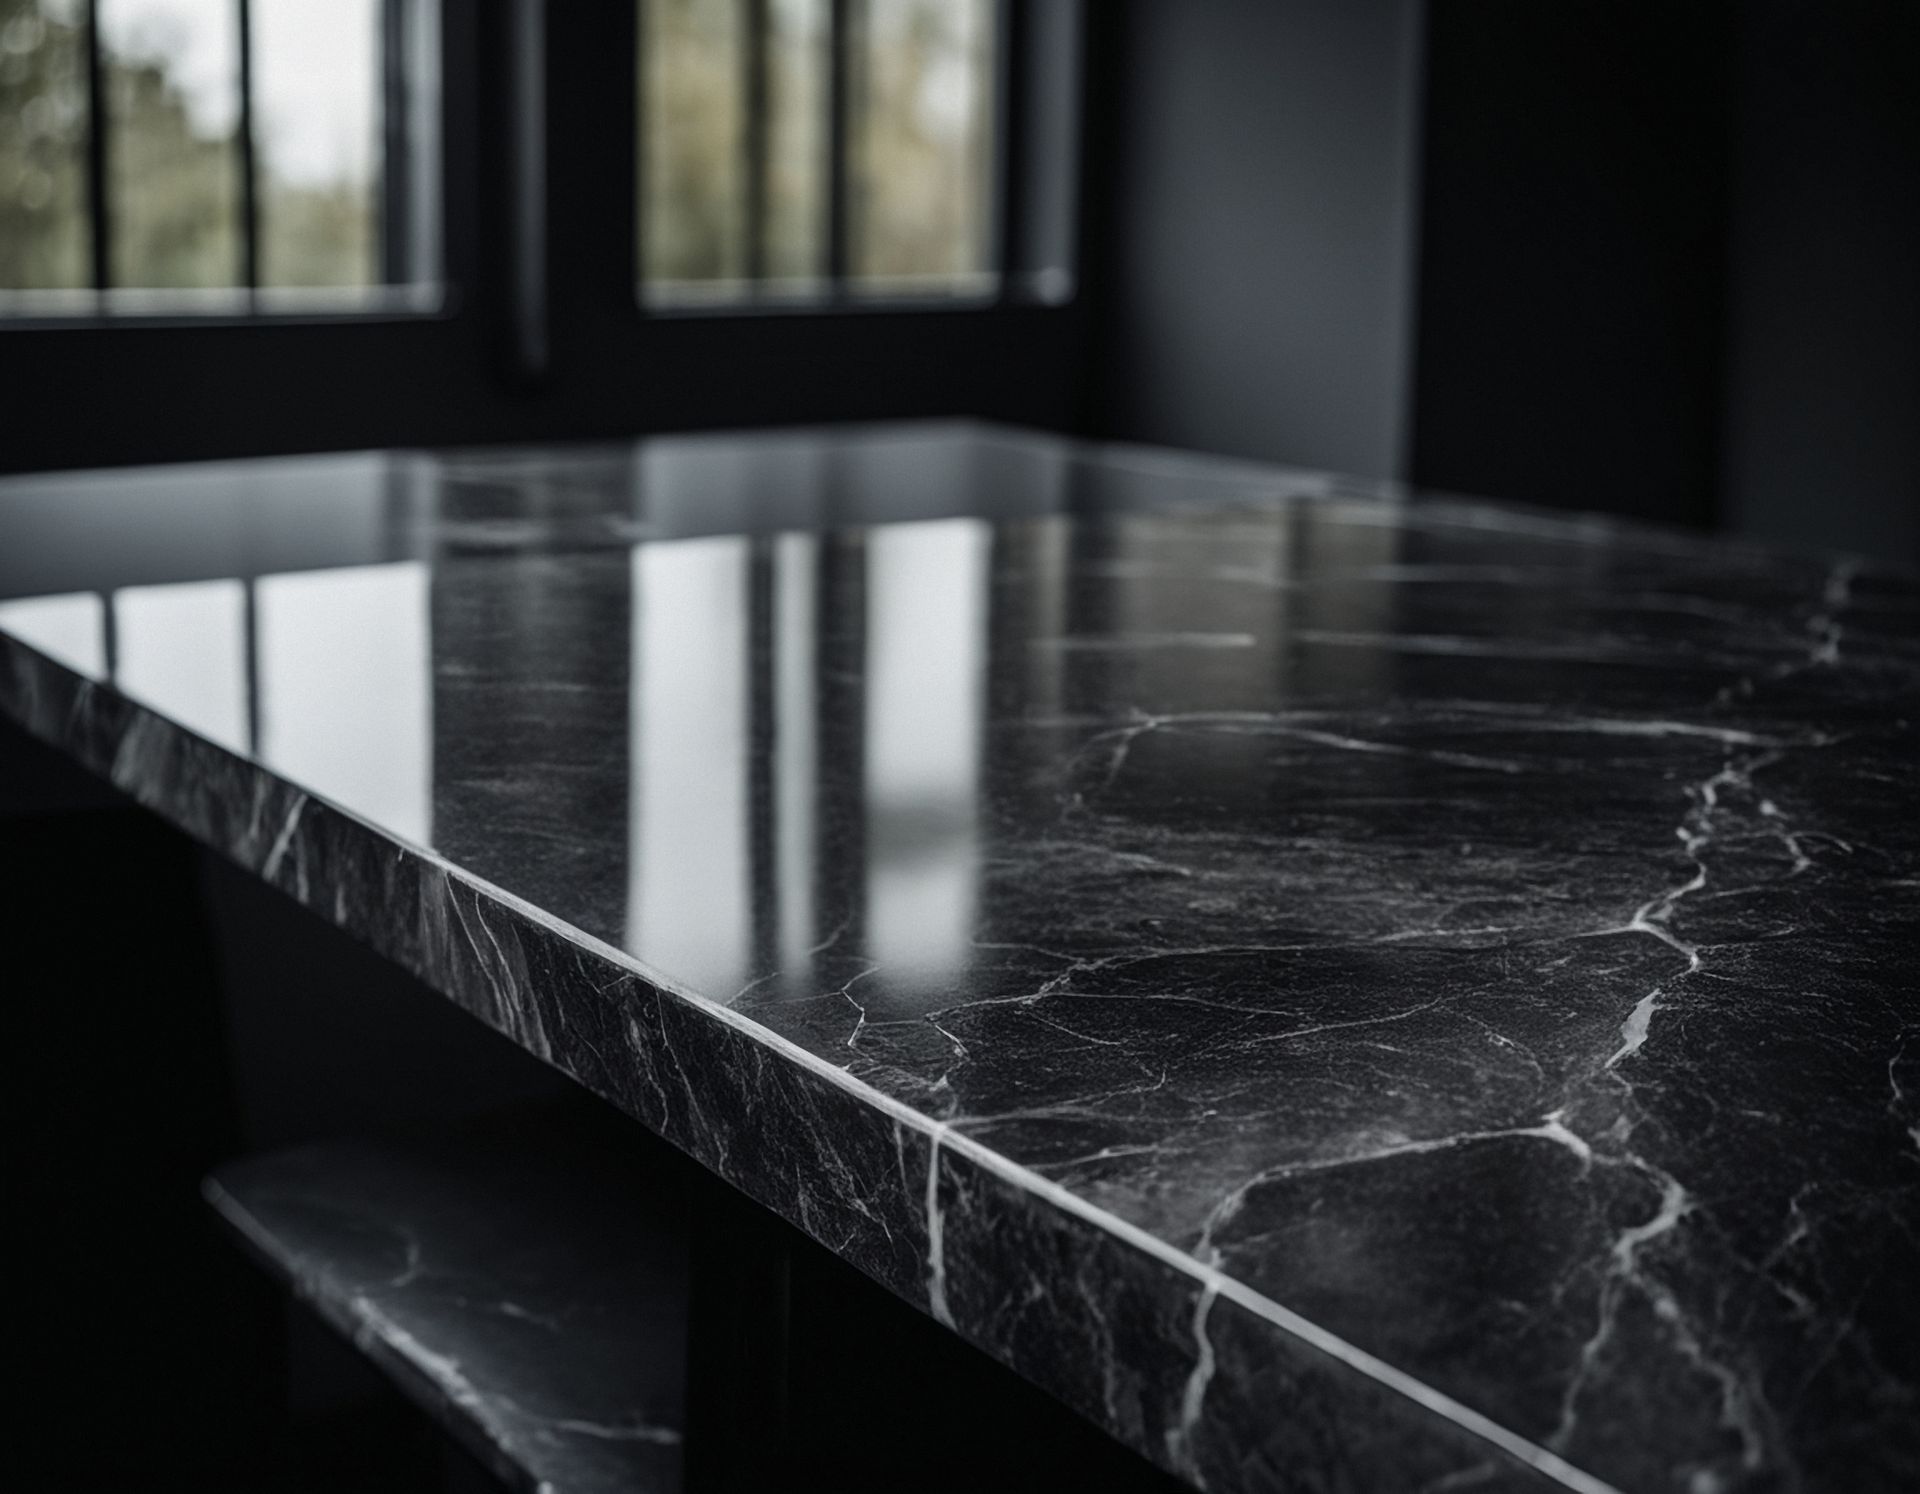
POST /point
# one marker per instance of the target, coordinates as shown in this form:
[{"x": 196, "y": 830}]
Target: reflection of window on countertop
[
  {"x": 183, "y": 649},
  {"x": 345, "y": 689},
  {"x": 926, "y": 672},
  {"x": 70, "y": 629}
]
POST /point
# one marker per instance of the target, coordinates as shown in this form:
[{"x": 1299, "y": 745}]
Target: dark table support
[{"x": 738, "y": 1344}]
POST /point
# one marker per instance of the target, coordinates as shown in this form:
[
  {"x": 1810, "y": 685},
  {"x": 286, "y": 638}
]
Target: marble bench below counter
[{"x": 521, "y": 1282}]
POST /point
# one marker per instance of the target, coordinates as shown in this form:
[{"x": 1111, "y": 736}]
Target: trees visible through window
[
  {"x": 216, "y": 154},
  {"x": 43, "y": 133},
  {"x": 802, "y": 148}
]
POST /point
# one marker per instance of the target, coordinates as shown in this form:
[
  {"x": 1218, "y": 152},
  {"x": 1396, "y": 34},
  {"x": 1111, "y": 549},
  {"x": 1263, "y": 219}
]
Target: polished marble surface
[
  {"x": 1345, "y": 993},
  {"x": 194, "y": 521}
]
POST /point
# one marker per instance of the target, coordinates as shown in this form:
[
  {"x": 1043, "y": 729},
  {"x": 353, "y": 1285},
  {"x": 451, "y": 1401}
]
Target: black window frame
[
  {"x": 539, "y": 334},
  {"x": 1031, "y": 209},
  {"x": 400, "y": 291}
]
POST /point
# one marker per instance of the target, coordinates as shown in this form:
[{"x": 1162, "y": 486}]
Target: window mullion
[
  {"x": 754, "y": 131},
  {"x": 99, "y": 237},
  {"x": 249, "y": 180},
  {"x": 839, "y": 120},
  {"x": 396, "y": 148},
  {"x": 1004, "y": 227}
]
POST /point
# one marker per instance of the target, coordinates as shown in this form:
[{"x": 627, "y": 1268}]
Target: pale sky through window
[
  {"x": 314, "y": 84},
  {"x": 319, "y": 111},
  {"x": 196, "y": 39}
]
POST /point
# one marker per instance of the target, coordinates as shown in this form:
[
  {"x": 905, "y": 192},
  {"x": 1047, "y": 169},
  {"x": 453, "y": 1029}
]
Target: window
[
  {"x": 809, "y": 150},
  {"x": 217, "y": 155}
]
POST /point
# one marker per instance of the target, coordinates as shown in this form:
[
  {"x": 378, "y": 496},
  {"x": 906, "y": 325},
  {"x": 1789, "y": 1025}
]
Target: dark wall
[
  {"x": 1823, "y": 357},
  {"x": 1663, "y": 257},
  {"x": 1573, "y": 233},
  {"x": 1256, "y": 208}
]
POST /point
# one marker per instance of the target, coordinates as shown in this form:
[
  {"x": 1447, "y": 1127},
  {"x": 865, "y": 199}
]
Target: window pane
[
  {"x": 316, "y": 113},
  {"x": 922, "y": 141},
  {"x": 737, "y": 100},
  {"x": 172, "y": 80},
  {"x": 693, "y": 108},
  {"x": 43, "y": 130},
  {"x": 796, "y": 220}
]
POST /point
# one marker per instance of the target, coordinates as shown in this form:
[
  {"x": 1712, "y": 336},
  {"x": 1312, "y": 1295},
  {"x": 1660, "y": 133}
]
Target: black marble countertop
[{"x": 1347, "y": 993}]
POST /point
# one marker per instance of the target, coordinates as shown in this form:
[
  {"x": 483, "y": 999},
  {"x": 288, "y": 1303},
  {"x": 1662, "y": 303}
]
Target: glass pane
[
  {"x": 921, "y": 141},
  {"x": 796, "y": 139},
  {"x": 172, "y": 77},
  {"x": 43, "y": 131},
  {"x": 316, "y": 113},
  {"x": 691, "y": 118}
]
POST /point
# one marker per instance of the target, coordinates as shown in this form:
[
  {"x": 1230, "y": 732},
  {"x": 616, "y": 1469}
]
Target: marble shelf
[
  {"x": 1344, "y": 992},
  {"x": 522, "y": 1282}
]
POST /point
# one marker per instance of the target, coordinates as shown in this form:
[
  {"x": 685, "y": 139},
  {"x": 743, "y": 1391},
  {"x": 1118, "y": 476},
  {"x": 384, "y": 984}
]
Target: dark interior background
[
  {"x": 1605, "y": 254},
  {"x": 1642, "y": 258}
]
